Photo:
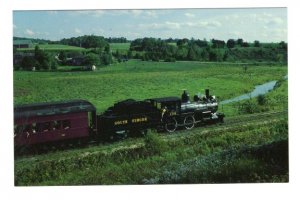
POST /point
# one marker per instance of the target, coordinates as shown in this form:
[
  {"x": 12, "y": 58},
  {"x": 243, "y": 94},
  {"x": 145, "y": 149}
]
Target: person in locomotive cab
[
  {"x": 197, "y": 97},
  {"x": 185, "y": 98},
  {"x": 163, "y": 112}
]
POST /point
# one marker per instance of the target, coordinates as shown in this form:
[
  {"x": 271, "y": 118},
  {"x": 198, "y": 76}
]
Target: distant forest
[{"x": 97, "y": 50}]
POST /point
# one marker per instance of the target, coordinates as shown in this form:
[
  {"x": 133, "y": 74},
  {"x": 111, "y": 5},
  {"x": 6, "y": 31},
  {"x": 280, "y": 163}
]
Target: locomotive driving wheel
[
  {"x": 189, "y": 122},
  {"x": 171, "y": 125}
]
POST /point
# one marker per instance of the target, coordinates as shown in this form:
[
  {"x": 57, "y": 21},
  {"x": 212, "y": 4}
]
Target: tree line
[
  {"x": 202, "y": 50},
  {"x": 91, "y": 41},
  {"x": 98, "y": 51}
]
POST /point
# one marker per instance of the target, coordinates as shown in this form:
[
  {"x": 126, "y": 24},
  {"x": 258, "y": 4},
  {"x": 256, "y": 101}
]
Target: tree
[
  {"x": 218, "y": 43},
  {"x": 53, "y": 62},
  {"x": 136, "y": 45},
  {"x": 182, "y": 42},
  {"x": 245, "y": 44},
  {"x": 182, "y": 53},
  {"x": 283, "y": 45},
  {"x": 62, "y": 57},
  {"x": 201, "y": 43},
  {"x": 240, "y": 41},
  {"x": 216, "y": 55},
  {"x": 204, "y": 55},
  {"x": 256, "y": 43},
  {"x": 106, "y": 59},
  {"x": 91, "y": 59},
  {"x": 169, "y": 51},
  {"x": 86, "y": 41},
  {"x": 28, "y": 63},
  {"x": 107, "y": 49},
  {"x": 129, "y": 54},
  {"x": 42, "y": 58},
  {"x": 192, "y": 54},
  {"x": 230, "y": 43}
]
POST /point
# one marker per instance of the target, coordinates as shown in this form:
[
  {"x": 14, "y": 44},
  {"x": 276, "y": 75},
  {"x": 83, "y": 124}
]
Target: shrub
[
  {"x": 261, "y": 99},
  {"x": 170, "y": 59},
  {"x": 248, "y": 107},
  {"x": 28, "y": 63},
  {"x": 154, "y": 145}
]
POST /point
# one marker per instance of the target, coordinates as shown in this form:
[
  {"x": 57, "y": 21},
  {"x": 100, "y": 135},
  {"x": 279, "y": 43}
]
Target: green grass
[
  {"x": 122, "y": 47},
  {"x": 140, "y": 80},
  {"x": 119, "y": 46},
  {"x": 54, "y": 47}
]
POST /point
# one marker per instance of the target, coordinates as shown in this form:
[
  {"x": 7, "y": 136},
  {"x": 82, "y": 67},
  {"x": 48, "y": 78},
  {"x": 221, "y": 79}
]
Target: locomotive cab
[
  {"x": 169, "y": 109},
  {"x": 172, "y": 104}
]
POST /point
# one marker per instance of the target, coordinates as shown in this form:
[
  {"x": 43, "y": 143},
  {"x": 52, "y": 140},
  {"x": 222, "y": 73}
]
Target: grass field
[
  {"x": 119, "y": 46},
  {"x": 54, "y": 47},
  {"x": 141, "y": 80}
]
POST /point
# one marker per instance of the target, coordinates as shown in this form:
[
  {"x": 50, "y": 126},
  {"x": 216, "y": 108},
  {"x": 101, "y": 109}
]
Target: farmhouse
[
  {"x": 23, "y": 43},
  {"x": 78, "y": 60}
]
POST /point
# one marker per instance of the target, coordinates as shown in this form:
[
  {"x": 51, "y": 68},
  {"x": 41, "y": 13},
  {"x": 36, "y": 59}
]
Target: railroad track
[
  {"x": 231, "y": 122},
  {"x": 255, "y": 117}
]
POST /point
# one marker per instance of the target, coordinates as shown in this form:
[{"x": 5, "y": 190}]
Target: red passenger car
[{"x": 53, "y": 122}]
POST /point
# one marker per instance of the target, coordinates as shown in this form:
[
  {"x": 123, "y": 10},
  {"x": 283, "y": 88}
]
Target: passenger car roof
[{"x": 53, "y": 108}]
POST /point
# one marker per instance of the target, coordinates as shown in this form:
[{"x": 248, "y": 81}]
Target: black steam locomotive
[{"x": 77, "y": 121}]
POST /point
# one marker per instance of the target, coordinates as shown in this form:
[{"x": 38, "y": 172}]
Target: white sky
[{"x": 263, "y": 24}]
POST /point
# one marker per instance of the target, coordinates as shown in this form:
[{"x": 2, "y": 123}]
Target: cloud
[
  {"x": 275, "y": 21},
  {"x": 160, "y": 26},
  {"x": 280, "y": 34},
  {"x": 134, "y": 12},
  {"x": 98, "y": 31},
  {"x": 266, "y": 19},
  {"x": 204, "y": 24},
  {"x": 52, "y": 12},
  {"x": 235, "y": 34},
  {"x": 93, "y": 13},
  {"x": 169, "y": 25},
  {"x": 114, "y": 12},
  {"x": 213, "y": 24},
  {"x": 78, "y": 31},
  {"x": 151, "y": 13},
  {"x": 189, "y": 15},
  {"x": 172, "y": 25},
  {"x": 29, "y": 32}
]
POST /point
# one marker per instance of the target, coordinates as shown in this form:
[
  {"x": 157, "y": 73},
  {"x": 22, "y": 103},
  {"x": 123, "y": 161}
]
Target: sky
[{"x": 263, "y": 24}]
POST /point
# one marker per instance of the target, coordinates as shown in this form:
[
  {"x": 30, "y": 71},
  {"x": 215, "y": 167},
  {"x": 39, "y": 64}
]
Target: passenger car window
[{"x": 66, "y": 124}]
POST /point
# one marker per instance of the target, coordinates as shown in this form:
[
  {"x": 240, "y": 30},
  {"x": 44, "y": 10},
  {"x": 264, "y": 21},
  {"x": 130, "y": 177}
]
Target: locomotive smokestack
[{"x": 207, "y": 93}]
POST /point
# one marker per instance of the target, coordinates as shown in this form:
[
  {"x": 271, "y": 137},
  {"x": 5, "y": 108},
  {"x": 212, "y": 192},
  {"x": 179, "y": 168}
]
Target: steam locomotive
[{"x": 76, "y": 121}]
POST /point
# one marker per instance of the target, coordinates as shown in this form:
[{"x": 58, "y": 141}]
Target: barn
[{"x": 23, "y": 43}]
